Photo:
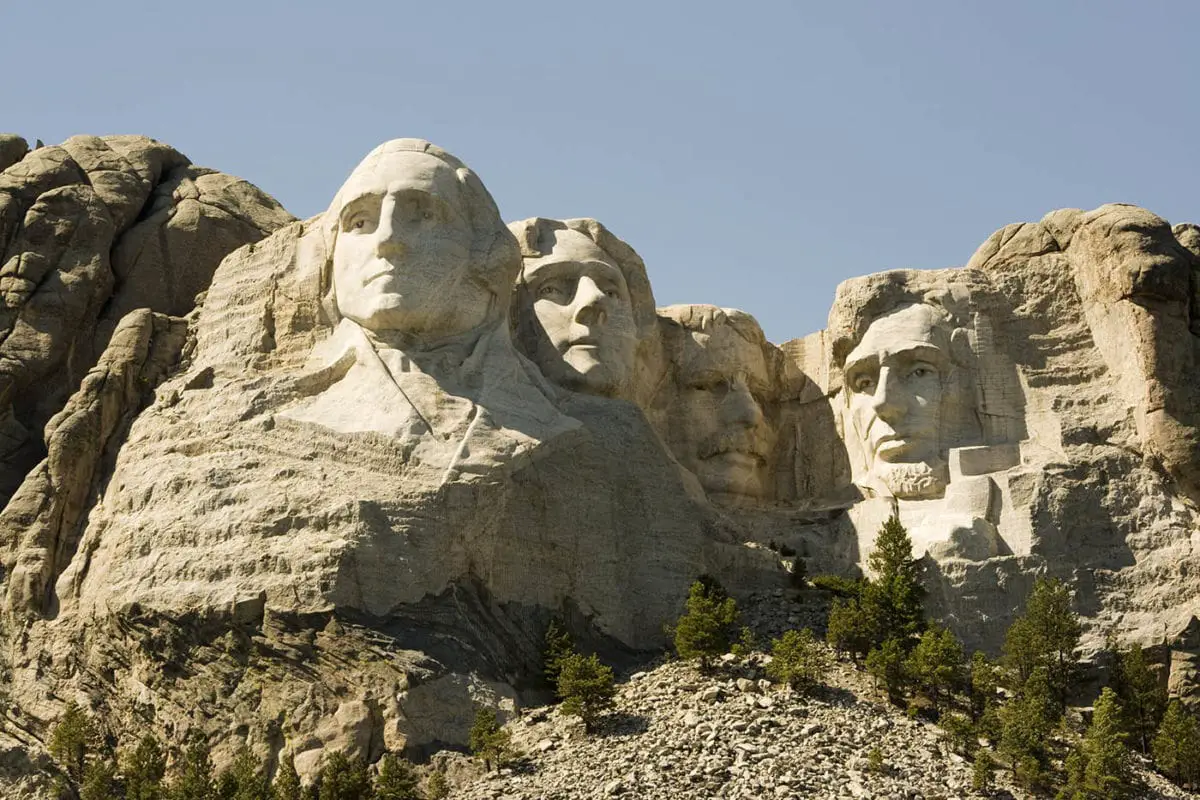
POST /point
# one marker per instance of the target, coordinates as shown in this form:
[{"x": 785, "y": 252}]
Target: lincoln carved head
[
  {"x": 715, "y": 411},
  {"x": 415, "y": 246},
  {"x": 583, "y": 306}
]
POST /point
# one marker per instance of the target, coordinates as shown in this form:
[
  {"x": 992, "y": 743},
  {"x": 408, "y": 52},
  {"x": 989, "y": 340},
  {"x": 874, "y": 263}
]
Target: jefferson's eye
[{"x": 921, "y": 371}]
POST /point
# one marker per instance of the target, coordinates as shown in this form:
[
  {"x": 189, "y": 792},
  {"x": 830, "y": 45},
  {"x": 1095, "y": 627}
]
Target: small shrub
[
  {"x": 838, "y": 585},
  {"x": 983, "y": 773},
  {"x": 746, "y": 644},
  {"x": 798, "y": 660},
  {"x": 875, "y": 761},
  {"x": 72, "y": 740},
  {"x": 1176, "y": 746},
  {"x": 437, "y": 787},
  {"x": 557, "y": 647},
  {"x": 886, "y": 665},
  {"x": 396, "y": 780},
  {"x": 960, "y": 731}
]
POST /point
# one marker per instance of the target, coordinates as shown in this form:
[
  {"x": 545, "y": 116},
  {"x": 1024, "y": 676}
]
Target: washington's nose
[
  {"x": 388, "y": 243},
  {"x": 886, "y": 402},
  {"x": 739, "y": 406},
  {"x": 589, "y": 302}
]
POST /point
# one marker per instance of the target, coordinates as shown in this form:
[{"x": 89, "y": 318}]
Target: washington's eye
[
  {"x": 358, "y": 224},
  {"x": 862, "y": 383}
]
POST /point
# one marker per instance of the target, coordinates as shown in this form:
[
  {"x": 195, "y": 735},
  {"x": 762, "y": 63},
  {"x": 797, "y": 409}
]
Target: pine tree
[
  {"x": 1143, "y": 696},
  {"x": 705, "y": 630},
  {"x": 99, "y": 781},
  {"x": 984, "y": 771},
  {"x": 244, "y": 779},
  {"x": 144, "y": 770},
  {"x": 397, "y": 780},
  {"x": 586, "y": 687},
  {"x": 342, "y": 778},
  {"x": 1176, "y": 746},
  {"x": 936, "y": 665},
  {"x": 797, "y": 660},
  {"x": 437, "y": 787},
  {"x": 852, "y": 628},
  {"x": 72, "y": 739},
  {"x": 194, "y": 779},
  {"x": 1046, "y": 636},
  {"x": 558, "y": 646},
  {"x": 886, "y": 664},
  {"x": 896, "y": 590},
  {"x": 287, "y": 781},
  {"x": 1098, "y": 767},
  {"x": 1026, "y": 722},
  {"x": 489, "y": 741},
  {"x": 985, "y": 682}
]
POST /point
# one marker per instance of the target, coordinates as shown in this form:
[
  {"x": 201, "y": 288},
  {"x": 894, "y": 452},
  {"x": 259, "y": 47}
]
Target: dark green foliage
[
  {"x": 287, "y": 781},
  {"x": 936, "y": 666},
  {"x": 193, "y": 779},
  {"x": 558, "y": 646},
  {"x": 72, "y": 740},
  {"x": 342, "y": 778},
  {"x": 875, "y": 761},
  {"x": 397, "y": 780},
  {"x": 437, "y": 787},
  {"x": 144, "y": 768},
  {"x": 1143, "y": 696},
  {"x": 798, "y": 660},
  {"x": 1026, "y": 723},
  {"x": 886, "y": 664},
  {"x": 838, "y": 585},
  {"x": 746, "y": 643},
  {"x": 983, "y": 772},
  {"x": 896, "y": 590},
  {"x": 705, "y": 630},
  {"x": 959, "y": 730},
  {"x": 586, "y": 687},
  {"x": 1176, "y": 746},
  {"x": 985, "y": 683},
  {"x": 244, "y": 779},
  {"x": 99, "y": 781},
  {"x": 1045, "y": 636},
  {"x": 489, "y": 741},
  {"x": 1098, "y": 768},
  {"x": 852, "y": 628}
]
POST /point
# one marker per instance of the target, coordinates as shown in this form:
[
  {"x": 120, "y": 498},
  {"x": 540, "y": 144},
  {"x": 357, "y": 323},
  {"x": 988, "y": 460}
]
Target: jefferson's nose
[
  {"x": 739, "y": 406},
  {"x": 887, "y": 402},
  {"x": 589, "y": 302}
]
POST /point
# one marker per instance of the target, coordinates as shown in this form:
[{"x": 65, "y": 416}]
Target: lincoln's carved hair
[
  {"x": 495, "y": 259},
  {"x": 535, "y": 238}
]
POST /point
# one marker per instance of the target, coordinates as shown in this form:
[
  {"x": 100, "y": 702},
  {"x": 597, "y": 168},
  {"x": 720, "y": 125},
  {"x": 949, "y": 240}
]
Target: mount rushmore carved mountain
[{"x": 322, "y": 484}]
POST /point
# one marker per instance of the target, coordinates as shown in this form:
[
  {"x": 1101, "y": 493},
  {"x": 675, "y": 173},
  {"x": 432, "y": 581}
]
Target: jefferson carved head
[
  {"x": 905, "y": 395},
  {"x": 583, "y": 307},
  {"x": 715, "y": 411},
  {"x": 415, "y": 246}
]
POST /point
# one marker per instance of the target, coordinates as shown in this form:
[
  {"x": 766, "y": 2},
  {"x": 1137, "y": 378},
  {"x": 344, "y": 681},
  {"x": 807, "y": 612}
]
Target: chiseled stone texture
[{"x": 89, "y": 231}]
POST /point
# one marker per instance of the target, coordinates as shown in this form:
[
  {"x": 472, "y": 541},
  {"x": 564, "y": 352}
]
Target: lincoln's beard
[{"x": 915, "y": 480}]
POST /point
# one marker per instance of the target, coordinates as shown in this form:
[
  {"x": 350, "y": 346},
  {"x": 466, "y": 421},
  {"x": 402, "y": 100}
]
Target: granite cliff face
[{"x": 335, "y": 505}]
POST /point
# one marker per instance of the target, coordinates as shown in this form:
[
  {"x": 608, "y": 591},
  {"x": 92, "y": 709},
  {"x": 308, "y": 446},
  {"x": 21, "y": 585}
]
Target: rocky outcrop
[{"x": 89, "y": 231}]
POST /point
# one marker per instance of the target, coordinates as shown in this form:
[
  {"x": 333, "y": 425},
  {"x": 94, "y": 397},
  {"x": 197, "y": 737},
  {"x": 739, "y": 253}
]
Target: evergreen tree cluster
[{"x": 146, "y": 771}]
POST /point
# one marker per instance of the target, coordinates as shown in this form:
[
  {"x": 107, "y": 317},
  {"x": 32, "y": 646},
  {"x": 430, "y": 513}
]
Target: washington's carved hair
[{"x": 495, "y": 259}]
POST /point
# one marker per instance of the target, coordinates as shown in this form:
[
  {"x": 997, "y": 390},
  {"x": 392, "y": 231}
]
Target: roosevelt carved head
[
  {"x": 583, "y": 308},
  {"x": 414, "y": 246},
  {"x": 715, "y": 411}
]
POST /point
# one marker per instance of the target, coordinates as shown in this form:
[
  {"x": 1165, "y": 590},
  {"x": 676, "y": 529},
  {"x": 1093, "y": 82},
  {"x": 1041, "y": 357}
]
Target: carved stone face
[
  {"x": 402, "y": 253},
  {"x": 894, "y": 385},
  {"x": 718, "y": 429},
  {"x": 580, "y": 300}
]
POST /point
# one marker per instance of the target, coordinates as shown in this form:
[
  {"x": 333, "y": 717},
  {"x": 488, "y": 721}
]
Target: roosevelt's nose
[
  {"x": 590, "y": 308},
  {"x": 739, "y": 406},
  {"x": 887, "y": 403},
  {"x": 388, "y": 243}
]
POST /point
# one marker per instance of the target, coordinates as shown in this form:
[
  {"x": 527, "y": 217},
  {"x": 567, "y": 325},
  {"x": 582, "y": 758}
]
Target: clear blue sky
[{"x": 754, "y": 153}]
